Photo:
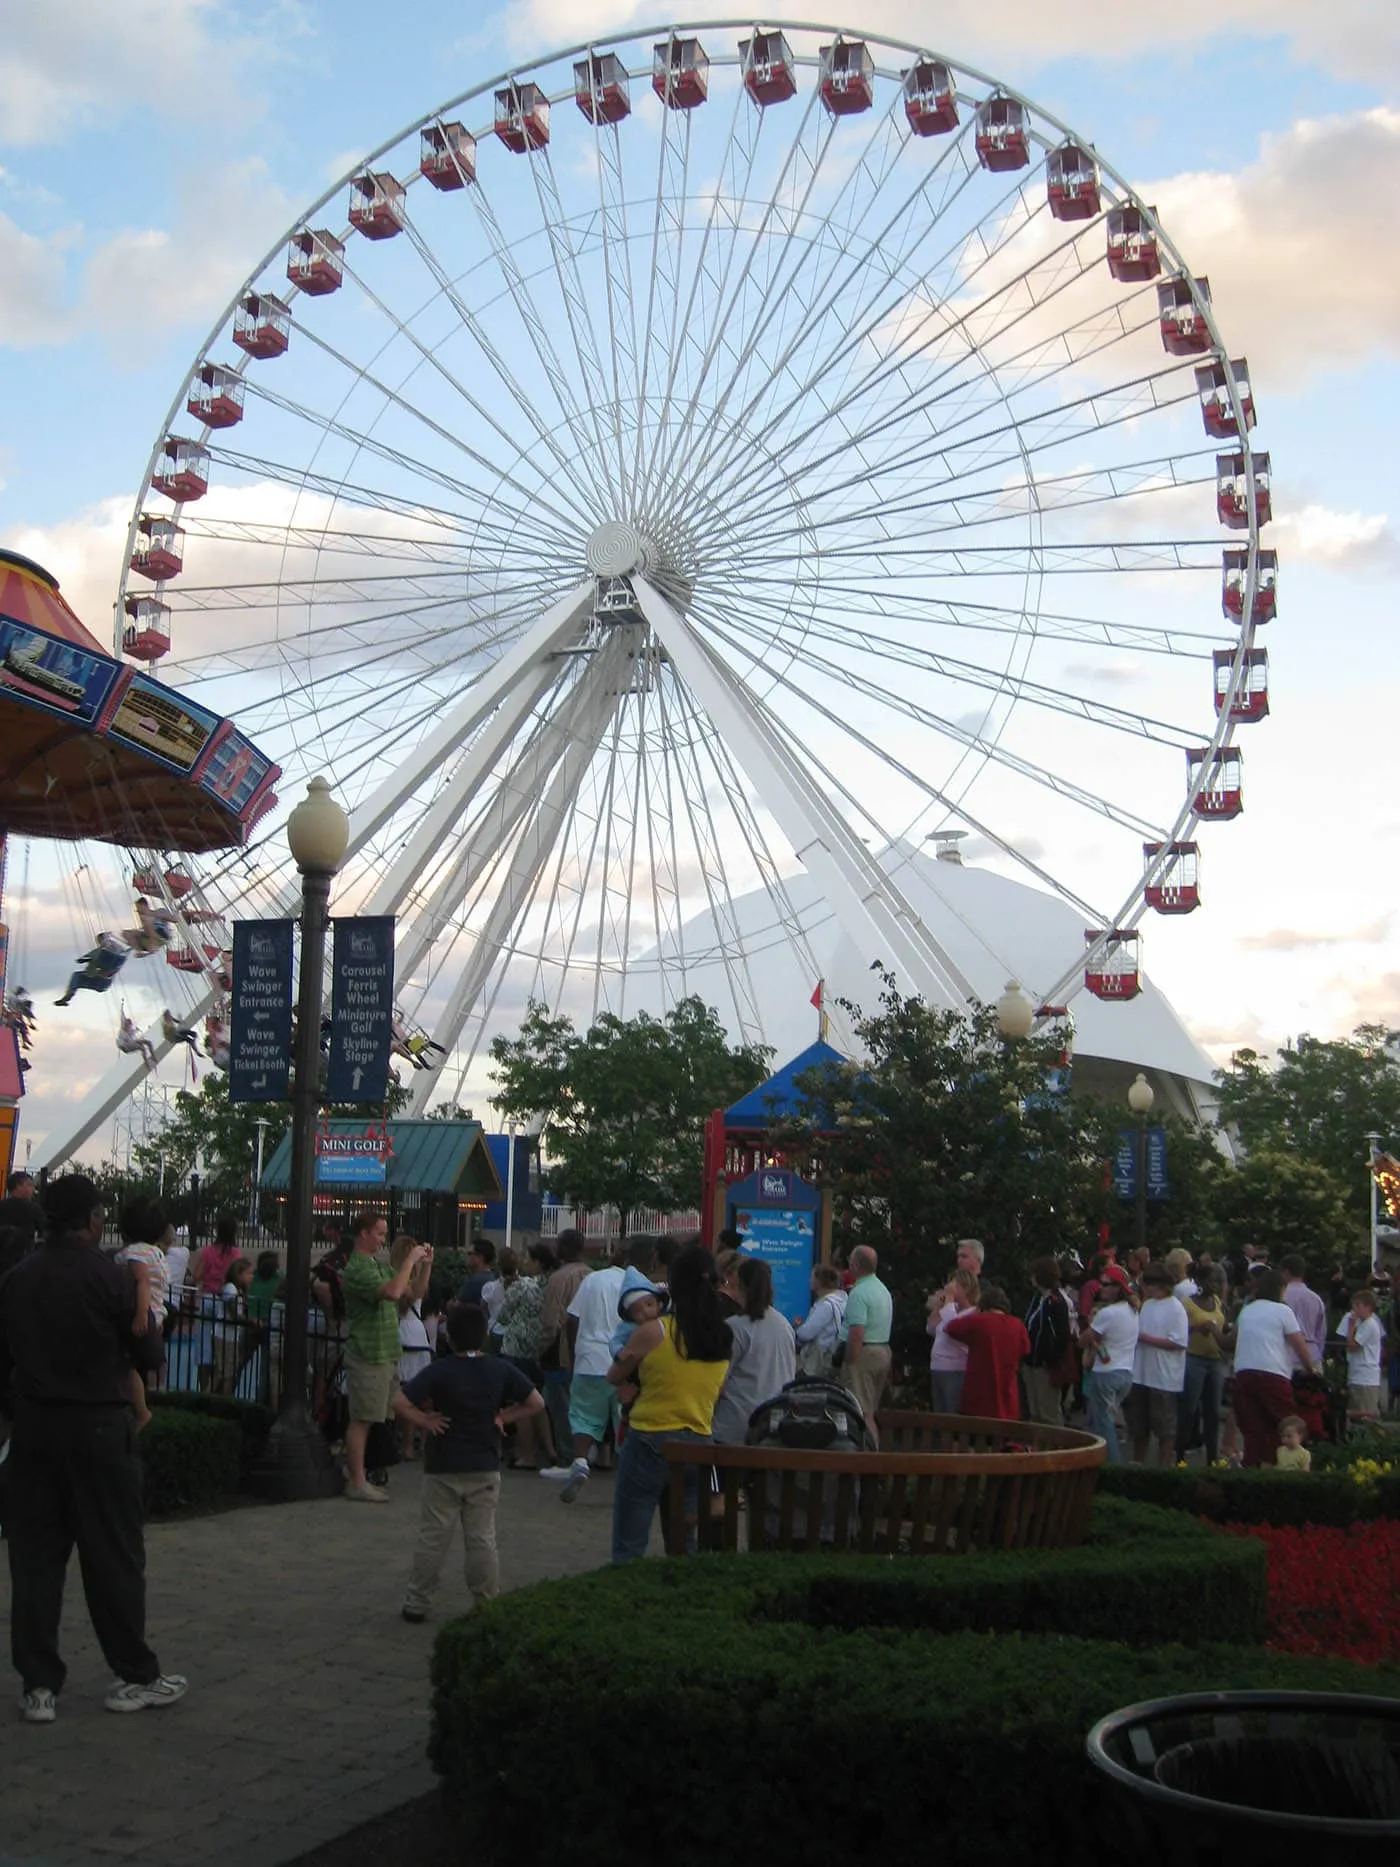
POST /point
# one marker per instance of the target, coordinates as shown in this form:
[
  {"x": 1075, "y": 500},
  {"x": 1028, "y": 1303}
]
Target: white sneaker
[
  {"x": 557, "y": 1474},
  {"x": 366, "y": 1494},
  {"x": 39, "y": 1706},
  {"x": 131, "y": 1696},
  {"x": 578, "y": 1478}
]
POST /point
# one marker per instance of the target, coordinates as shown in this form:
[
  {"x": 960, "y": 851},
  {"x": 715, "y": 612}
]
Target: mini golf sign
[{"x": 352, "y": 1159}]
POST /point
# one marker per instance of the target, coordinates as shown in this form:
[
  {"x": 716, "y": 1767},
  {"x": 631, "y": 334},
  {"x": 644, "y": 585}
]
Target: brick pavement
[{"x": 308, "y": 1704}]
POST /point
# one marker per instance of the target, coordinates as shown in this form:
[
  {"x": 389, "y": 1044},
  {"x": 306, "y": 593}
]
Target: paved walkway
[{"x": 308, "y": 1704}]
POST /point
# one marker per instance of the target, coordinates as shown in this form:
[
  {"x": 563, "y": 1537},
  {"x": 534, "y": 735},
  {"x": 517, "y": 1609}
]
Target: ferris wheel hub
[{"x": 617, "y": 548}]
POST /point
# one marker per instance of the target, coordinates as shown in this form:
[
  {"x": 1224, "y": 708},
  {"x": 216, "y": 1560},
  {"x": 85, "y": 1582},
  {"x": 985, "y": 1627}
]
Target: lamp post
[
  {"x": 1373, "y": 1142},
  {"x": 297, "y": 1462},
  {"x": 510, "y": 1182},
  {"x": 1014, "y": 1011},
  {"x": 1140, "y": 1100}
]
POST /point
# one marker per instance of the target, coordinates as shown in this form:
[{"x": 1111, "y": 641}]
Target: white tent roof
[{"x": 993, "y": 927}]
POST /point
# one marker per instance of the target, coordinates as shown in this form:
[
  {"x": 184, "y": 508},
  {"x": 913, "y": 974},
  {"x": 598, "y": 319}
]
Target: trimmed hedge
[
  {"x": 1280, "y": 1499},
  {"x": 753, "y": 1733},
  {"x": 192, "y": 1461},
  {"x": 1212, "y": 1585},
  {"x": 254, "y": 1421}
]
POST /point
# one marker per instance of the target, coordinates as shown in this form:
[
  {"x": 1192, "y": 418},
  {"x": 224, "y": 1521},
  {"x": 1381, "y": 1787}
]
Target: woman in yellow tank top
[{"x": 678, "y": 1364}]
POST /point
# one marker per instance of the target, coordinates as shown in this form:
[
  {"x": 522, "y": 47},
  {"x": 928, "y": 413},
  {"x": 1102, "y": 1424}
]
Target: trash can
[{"x": 1250, "y": 1778}]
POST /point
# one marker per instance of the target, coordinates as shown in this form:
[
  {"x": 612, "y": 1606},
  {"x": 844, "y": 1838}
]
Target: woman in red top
[{"x": 996, "y": 1344}]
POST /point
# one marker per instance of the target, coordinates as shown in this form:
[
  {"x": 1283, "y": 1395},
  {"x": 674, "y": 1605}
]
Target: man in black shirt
[
  {"x": 67, "y": 1346},
  {"x": 462, "y": 1402},
  {"x": 21, "y": 1220},
  {"x": 481, "y": 1268}
]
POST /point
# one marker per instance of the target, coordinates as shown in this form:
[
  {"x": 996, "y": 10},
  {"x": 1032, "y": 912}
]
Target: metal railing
[
  {"x": 210, "y": 1350},
  {"x": 605, "y": 1221}
]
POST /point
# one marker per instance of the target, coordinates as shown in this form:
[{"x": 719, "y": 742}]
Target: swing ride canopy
[{"x": 90, "y": 747}]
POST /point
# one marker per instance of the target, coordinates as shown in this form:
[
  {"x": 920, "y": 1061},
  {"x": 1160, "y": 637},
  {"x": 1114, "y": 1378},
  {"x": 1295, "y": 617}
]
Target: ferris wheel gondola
[{"x": 701, "y": 456}]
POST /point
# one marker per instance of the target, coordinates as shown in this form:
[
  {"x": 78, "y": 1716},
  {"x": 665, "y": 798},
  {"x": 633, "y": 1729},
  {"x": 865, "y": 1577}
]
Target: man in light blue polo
[{"x": 865, "y": 1367}]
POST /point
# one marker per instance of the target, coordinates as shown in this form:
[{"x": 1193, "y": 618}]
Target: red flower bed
[{"x": 1332, "y": 1592}]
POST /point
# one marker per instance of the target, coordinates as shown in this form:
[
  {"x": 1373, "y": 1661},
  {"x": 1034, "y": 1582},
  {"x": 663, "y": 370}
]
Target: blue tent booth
[{"x": 756, "y": 1190}]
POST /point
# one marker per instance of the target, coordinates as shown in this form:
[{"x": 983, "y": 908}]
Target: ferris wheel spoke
[
  {"x": 564, "y": 483},
  {"x": 540, "y": 342},
  {"x": 708, "y": 847},
  {"x": 888, "y": 602},
  {"x": 599, "y": 395},
  {"x": 660, "y": 326},
  {"x": 736, "y": 791},
  {"x": 1073, "y": 490},
  {"x": 706, "y": 284},
  {"x": 533, "y": 499},
  {"x": 863, "y": 258},
  {"x": 972, "y": 741},
  {"x": 820, "y": 838},
  {"x": 477, "y": 500},
  {"x": 938, "y": 281},
  {"x": 760, "y": 267},
  {"x": 620, "y": 298},
  {"x": 871, "y": 646}
]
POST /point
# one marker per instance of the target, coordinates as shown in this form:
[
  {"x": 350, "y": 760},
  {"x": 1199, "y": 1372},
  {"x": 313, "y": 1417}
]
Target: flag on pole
[{"x": 817, "y": 995}]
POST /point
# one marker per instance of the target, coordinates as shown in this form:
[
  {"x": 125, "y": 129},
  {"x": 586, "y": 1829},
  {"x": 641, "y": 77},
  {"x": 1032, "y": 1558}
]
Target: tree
[
  {"x": 1319, "y": 1104},
  {"x": 949, "y": 1131},
  {"x": 624, "y": 1105},
  {"x": 1290, "y": 1204}
]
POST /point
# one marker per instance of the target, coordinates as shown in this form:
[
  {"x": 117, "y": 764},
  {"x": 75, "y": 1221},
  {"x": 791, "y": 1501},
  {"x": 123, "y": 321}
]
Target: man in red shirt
[{"x": 997, "y": 1344}]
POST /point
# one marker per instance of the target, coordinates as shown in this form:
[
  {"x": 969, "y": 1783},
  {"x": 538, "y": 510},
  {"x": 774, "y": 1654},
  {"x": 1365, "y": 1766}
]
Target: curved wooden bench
[{"x": 941, "y": 1485}]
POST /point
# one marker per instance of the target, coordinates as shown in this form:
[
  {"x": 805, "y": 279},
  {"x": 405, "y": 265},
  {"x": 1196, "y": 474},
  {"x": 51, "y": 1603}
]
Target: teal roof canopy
[{"x": 425, "y": 1157}]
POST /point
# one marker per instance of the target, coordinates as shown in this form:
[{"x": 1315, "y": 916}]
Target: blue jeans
[
  {"x": 946, "y": 1385},
  {"x": 642, "y": 1480},
  {"x": 1102, "y": 1395},
  {"x": 1204, "y": 1389}
]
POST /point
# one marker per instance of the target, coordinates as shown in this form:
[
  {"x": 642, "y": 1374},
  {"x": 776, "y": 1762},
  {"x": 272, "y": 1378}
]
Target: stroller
[
  {"x": 810, "y": 1414},
  {"x": 1321, "y": 1401}
]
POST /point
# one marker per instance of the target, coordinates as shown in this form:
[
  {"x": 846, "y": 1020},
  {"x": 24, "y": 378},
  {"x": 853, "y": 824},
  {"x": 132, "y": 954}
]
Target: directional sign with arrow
[{"x": 260, "y": 1019}]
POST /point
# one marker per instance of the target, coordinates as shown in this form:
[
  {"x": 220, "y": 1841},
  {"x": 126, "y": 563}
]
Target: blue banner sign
[
  {"x": 350, "y": 1160},
  {"x": 260, "y": 1022},
  {"x": 1125, "y": 1161},
  {"x": 362, "y": 1008}
]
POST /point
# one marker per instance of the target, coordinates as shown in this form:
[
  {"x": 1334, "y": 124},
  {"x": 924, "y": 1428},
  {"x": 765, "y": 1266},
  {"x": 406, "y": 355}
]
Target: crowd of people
[
  {"x": 550, "y": 1363},
  {"x": 1188, "y": 1353}
]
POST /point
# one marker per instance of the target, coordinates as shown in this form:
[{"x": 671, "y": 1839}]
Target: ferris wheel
[{"x": 690, "y": 460}]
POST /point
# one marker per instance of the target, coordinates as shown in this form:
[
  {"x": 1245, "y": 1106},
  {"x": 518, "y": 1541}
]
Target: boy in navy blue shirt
[{"x": 461, "y": 1403}]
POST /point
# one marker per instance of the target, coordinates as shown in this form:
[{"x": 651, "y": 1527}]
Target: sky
[{"x": 153, "y": 151}]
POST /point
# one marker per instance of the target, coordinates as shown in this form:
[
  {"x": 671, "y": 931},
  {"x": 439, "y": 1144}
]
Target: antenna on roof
[{"x": 946, "y": 845}]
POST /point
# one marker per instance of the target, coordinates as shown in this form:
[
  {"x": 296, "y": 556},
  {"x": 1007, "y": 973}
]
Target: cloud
[
  {"x": 152, "y": 276},
  {"x": 70, "y": 64},
  {"x": 1347, "y": 541},
  {"x": 33, "y": 288},
  {"x": 1290, "y": 940},
  {"x": 1355, "y": 39},
  {"x": 1296, "y": 272}
]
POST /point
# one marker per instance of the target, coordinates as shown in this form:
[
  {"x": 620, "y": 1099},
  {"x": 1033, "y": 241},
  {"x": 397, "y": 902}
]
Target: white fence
[{"x": 605, "y": 1222}]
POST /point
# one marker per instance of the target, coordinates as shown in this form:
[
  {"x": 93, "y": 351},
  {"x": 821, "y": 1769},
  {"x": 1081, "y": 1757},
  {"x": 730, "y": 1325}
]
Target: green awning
[{"x": 425, "y": 1157}]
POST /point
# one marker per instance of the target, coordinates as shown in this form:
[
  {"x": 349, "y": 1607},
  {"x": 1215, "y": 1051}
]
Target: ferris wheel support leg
[
  {"x": 517, "y": 792},
  {"x": 554, "y": 630},
  {"x": 866, "y": 901},
  {"x": 527, "y": 864},
  {"x": 457, "y": 794},
  {"x": 106, "y": 1096}
]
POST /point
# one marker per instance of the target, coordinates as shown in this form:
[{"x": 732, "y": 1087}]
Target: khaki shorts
[
  {"x": 1365, "y": 1400},
  {"x": 869, "y": 1378},
  {"x": 1151, "y": 1411},
  {"x": 373, "y": 1385}
]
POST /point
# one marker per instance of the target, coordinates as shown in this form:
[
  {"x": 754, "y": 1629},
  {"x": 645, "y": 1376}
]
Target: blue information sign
[
  {"x": 1125, "y": 1164},
  {"x": 785, "y": 1238},
  {"x": 362, "y": 1008},
  {"x": 260, "y": 1021}
]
